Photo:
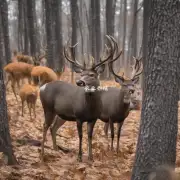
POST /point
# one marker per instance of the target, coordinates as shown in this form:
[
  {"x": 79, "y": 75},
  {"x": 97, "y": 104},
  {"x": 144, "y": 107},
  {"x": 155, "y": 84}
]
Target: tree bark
[
  {"x": 5, "y": 139},
  {"x": 49, "y": 33},
  {"x": 20, "y": 25},
  {"x": 31, "y": 25},
  {"x": 5, "y": 25},
  {"x": 26, "y": 29},
  {"x": 159, "y": 121},
  {"x": 74, "y": 19}
]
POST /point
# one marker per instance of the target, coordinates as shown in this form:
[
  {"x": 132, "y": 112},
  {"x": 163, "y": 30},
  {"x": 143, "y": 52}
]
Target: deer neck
[{"x": 93, "y": 101}]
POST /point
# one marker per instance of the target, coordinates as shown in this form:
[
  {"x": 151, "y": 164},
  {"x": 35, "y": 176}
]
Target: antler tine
[
  {"x": 138, "y": 68},
  {"x": 111, "y": 62},
  {"x": 116, "y": 47},
  {"x": 72, "y": 54},
  {"x": 107, "y": 58}
]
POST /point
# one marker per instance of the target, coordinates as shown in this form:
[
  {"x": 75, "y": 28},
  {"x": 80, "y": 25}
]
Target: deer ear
[
  {"x": 118, "y": 80},
  {"x": 100, "y": 69},
  {"x": 77, "y": 69},
  {"x": 136, "y": 80}
]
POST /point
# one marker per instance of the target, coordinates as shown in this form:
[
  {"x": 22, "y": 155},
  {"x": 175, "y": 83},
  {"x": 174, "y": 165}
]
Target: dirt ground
[{"x": 107, "y": 165}]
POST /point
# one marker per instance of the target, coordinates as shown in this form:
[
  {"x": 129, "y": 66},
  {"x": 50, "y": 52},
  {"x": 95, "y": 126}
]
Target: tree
[
  {"x": 5, "y": 139},
  {"x": 26, "y": 29},
  {"x": 158, "y": 128},
  {"x": 5, "y": 25},
  {"x": 20, "y": 25},
  {"x": 74, "y": 20},
  {"x": 49, "y": 33},
  {"x": 59, "y": 58},
  {"x": 31, "y": 25}
]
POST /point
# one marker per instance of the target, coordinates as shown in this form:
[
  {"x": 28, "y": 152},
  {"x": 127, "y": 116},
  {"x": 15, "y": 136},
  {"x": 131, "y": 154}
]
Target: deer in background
[
  {"x": 74, "y": 103},
  {"x": 116, "y": 103}
]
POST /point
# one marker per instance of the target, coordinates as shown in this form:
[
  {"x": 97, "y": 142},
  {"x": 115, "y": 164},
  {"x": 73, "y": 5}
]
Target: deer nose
[
  {"x": 80, "y": 83},
  {"x": 131, "y": 91}
]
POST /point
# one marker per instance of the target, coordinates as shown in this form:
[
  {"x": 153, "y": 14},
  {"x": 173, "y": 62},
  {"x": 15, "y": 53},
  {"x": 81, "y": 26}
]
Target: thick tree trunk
[
  {"x": 5, "y": 139},
  {"x": 5, "y": 25},
  {"x": 159, "y": 121}
]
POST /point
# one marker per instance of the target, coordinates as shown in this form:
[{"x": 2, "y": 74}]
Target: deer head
[
  {"x": 128, "y": 86},
  {"x": 89, "y": 75}
]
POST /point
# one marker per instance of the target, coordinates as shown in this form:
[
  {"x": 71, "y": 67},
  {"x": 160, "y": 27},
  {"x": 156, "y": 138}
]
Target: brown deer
[{"x": 74, "y": 103}]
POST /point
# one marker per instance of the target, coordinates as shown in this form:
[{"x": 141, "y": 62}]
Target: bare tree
[
  {"x": 5, "y": 25},
  {"x": 31, "y": 25},
  {"x": 159, "y": 121},
  {"x": 49, "y": 33},
  {"x": 26, "y": 29},
  {"x": 74, "y": 20},
  {"x": 20, "y": 25},
  {"x": 5, "y": 139}
]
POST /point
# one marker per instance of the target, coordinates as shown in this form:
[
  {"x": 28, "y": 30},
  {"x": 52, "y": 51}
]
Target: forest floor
[{"x": 107, "y": 165}]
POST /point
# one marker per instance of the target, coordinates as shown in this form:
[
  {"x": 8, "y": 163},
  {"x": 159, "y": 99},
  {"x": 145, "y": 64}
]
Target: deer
[
  {"x": 116, "y": 103},
  {"x": 72, "y": 102}
]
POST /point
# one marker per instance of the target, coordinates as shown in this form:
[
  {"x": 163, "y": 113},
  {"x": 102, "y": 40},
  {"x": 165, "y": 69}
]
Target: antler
[
  {"x": 115, "y": 49},
  {"x": 106, "y": 58},
  {"x": 73, "y": 60},
  {"x": 137, "y": 70}
]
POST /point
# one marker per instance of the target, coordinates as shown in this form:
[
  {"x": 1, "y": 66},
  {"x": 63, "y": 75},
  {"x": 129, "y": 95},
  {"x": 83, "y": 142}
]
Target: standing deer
[
  {"x": 116, "y": 103},
  {"x": 74, "y": 103}
]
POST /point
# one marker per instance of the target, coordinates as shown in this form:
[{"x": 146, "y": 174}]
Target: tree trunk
[
  {"x": 97, "y": 29},
  {"x": 74, "y": 19},
  {"x": 5, "y": 139},
  {"x": 31, "y": 24},
  {"x": 59, "y": 59},
  {"x": 159, "y": 121},
  {"x": 20, "y": 25},
  {"x": 5, "y": 25},
  {"x": 49, "y": 33},
  {"x": 26, "y": 29},
  {"x": 124, "y": 33}
]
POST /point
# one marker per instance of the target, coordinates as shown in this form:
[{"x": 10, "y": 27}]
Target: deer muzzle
[{"x": 80, "y": 83}]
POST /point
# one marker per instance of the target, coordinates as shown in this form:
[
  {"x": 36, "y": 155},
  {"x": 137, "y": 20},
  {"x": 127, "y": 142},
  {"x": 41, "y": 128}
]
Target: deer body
[
  {"x": 116, "y": 104},
  {"x": 74, "y": 103},
  {"x": 70, "y": 102}
]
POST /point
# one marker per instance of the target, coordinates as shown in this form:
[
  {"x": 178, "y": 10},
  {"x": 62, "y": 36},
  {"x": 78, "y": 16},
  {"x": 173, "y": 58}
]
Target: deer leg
[
  {"x": 58, "y": 122},
  {"x": 29, "y": 107},
  {"x": 79, "y": 127},
  {"x": 13, "y": 88},
  {"x": 90, "y": 127},
  {"x": 106, "y": 127},
  {"x": 22, "y": 108},
  {"x": 118, "y": 134},
  {"x": 49, "y": 117},
  {"x": 112, "y": 133}
]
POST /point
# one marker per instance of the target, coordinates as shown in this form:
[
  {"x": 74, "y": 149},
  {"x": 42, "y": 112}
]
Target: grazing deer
[
  {"x": 116, "y": 103},
  {"x": 74, "y": 103}
]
